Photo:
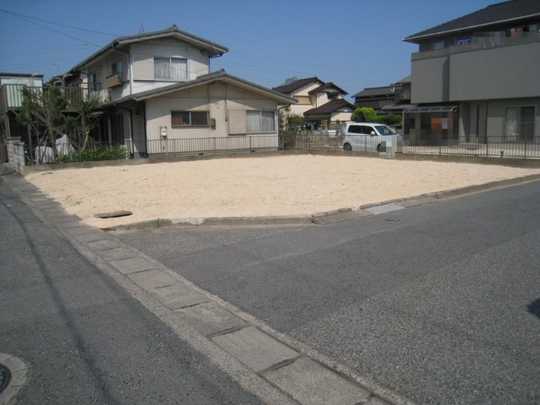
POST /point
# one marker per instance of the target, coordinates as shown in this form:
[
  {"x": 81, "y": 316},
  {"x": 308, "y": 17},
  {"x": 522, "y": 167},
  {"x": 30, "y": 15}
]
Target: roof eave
[
  {"x": 216, "y": 48},
  {"x": 280, "y": 97},
  {"x": 415, "y": 37}
]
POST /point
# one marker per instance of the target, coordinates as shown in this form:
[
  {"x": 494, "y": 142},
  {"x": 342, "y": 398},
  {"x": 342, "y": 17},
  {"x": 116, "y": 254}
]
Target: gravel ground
[{"x": 259, "y": 186}]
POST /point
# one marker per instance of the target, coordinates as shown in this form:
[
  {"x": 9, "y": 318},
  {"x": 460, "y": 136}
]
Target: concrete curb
[
  {"x": 324, "y": 217},
  {"x": 19, "y": 377},
  {"x": 274, "y": 367}
]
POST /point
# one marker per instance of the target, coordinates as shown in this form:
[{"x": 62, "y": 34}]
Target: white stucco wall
[
  {"x": 226, "y": 104},
  {"x": 143, "y": 58},
  {"x": 102, "y": 68},
  {"x": 300, "y": 109}
]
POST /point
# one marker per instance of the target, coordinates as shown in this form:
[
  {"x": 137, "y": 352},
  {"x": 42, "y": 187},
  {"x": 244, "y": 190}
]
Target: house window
[
  {"x": 332, "y": 95},
  {"x": 183, "y": 119},
  {"x": 260, "y": 121},
  {"x": 170, "y": 69},
  {"x": 93, "y": 84},
  {"x": 463, "y": 41},
  {"x": 520, "y": 123},
  {"x": 117, "y": 68}
]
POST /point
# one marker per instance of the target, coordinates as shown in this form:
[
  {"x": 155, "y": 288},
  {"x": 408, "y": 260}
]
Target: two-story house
[
  {"x": 321, "y": 104},
  {"x": 157, "y": 87},
  {"x": 476, "y": 77},
  {"x": 392, "y": 98}
]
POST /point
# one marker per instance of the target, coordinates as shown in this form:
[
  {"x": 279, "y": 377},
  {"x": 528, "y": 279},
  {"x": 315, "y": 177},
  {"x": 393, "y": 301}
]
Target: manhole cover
[{"x": 5, "y": 376}]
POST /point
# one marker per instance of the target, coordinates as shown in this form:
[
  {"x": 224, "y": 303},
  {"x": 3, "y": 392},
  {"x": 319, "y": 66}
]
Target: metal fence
[
  {"x": 490, "y": 147},
  {"x": 213, "y": 144},
  {"x": 308, "y": 141}
]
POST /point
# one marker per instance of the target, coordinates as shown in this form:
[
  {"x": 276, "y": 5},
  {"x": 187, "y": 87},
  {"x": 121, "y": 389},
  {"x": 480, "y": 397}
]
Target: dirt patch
[{"x": 264, "y": 186}]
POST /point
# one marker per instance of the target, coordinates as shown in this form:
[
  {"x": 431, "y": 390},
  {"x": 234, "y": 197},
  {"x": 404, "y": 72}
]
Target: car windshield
[{"x": 384, "y": 130}]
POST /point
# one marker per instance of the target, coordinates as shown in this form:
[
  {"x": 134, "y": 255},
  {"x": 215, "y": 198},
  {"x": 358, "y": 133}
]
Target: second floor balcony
[
  {"x": 478, "y": 43},
  {"x": 12, "y": 96}
]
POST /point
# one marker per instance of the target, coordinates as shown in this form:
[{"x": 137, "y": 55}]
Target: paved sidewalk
[
  {"x": 84, "y": 339},
  {"x": 274, "y": 367}
]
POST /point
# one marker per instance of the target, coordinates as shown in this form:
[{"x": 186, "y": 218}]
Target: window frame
[
  {"x": 261, "y": 112},
  {"x": 190, "y": 125},
  {"x": 170, "y": 58},
  {"x": 519, "y": 136}
]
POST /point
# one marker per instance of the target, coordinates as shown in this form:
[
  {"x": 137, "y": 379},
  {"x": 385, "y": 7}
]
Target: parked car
[{"x": 369, "y": 137}]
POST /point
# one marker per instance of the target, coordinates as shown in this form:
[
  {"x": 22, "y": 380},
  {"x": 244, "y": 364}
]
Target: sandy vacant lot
[{"x": 277, "y": 185}]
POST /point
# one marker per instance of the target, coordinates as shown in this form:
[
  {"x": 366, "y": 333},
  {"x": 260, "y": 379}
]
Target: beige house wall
[
  {"x": 300, "y": 109},
  {"x": 226, "y": 104},
  {"x": 341, "y": 116},
  {"x": 143, "y": 60},
  {"x": 102, "y": 68},
  {"x": 141, "y": 57}
]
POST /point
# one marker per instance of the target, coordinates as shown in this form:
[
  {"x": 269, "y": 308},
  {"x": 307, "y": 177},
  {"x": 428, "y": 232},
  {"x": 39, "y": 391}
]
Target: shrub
[
  {"x": 365, "y": 114},
  {"x": 368, "y": 114},
  {"x": 295, "y": 121},
  {"x": 391, "y": 119},
  {"x": 112, "y": 153}
]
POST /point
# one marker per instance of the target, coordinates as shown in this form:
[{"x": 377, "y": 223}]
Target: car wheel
[
  {"x": 347, "y": 147},
  {"x": 379, "y": 148}
]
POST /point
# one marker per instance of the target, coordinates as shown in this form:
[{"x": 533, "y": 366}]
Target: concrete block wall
[{"x": 15, "y": 152}]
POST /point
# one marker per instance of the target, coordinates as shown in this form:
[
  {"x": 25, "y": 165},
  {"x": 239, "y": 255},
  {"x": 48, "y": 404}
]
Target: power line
[
  {"x": 41, "y": 20},
  {"x": 65, "y": 34}
]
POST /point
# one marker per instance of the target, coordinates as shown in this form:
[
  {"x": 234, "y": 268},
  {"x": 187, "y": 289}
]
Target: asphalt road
[
  {"x": 86, "y": 341},
  {"x": 436, "y": 302}
]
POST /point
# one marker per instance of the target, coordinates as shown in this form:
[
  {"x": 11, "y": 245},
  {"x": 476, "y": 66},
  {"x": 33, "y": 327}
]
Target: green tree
[
  {"x": 365, "y": 114},
  {"x": 368, "y": 114},
  {"x": 43, "y": 111},
  {"x": 81, "y": 122}
]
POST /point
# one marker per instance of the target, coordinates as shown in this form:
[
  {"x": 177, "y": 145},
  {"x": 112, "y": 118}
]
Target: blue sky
[{"x": 354, "y": 43}]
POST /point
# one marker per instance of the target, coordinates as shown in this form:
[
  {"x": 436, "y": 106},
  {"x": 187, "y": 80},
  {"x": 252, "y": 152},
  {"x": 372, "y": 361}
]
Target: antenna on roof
[{"x": 141, "y": 29}]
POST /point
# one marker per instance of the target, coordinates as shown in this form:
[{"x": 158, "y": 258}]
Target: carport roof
[{"x": 219, "y": 76}]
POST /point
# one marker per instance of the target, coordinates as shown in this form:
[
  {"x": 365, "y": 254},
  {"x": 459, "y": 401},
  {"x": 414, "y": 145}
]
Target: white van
[{"x": 369, "y": 137}]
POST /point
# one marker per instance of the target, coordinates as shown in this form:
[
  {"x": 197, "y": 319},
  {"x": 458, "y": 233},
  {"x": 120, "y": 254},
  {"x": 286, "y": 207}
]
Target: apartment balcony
[
  {"x": 11, "y": 96},
  {"x": 113, "y": 81},
  {"x": 480, "y": 43}
]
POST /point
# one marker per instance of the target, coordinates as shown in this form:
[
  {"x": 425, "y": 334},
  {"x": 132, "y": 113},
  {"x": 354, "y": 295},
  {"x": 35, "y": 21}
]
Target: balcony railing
[
  {"x": 479, "y": 43},
  {"x": 113, "y": 81},
  {"x": 11, "y": 96}
]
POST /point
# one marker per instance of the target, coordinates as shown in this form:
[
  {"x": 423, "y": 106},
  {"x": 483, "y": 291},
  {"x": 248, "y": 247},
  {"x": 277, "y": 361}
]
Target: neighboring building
[
  {"x": 393, "y": 98},
  {"x": 375, "y": 97},
  {"x": 477, "y": 76},
  {"x": 11, "y": 97},
  {"x": 321, "y": 104},
  {"x": 156, "y": 87}
]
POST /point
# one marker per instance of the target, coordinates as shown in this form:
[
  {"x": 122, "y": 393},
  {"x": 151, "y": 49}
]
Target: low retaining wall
[{"x": 15, "y": 154}]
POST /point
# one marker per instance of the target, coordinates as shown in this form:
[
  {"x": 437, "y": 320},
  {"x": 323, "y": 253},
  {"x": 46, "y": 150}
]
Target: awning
[
  {"x": 398, "y": 107},
  {"x": 431, "y": 109}
]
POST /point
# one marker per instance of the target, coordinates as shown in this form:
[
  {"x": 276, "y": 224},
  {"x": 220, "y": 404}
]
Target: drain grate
[{"x": 5, "y": 376}]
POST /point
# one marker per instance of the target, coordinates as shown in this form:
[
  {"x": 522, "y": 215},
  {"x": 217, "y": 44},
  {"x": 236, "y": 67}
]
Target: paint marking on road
[{"x": 383, "y": 209}]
